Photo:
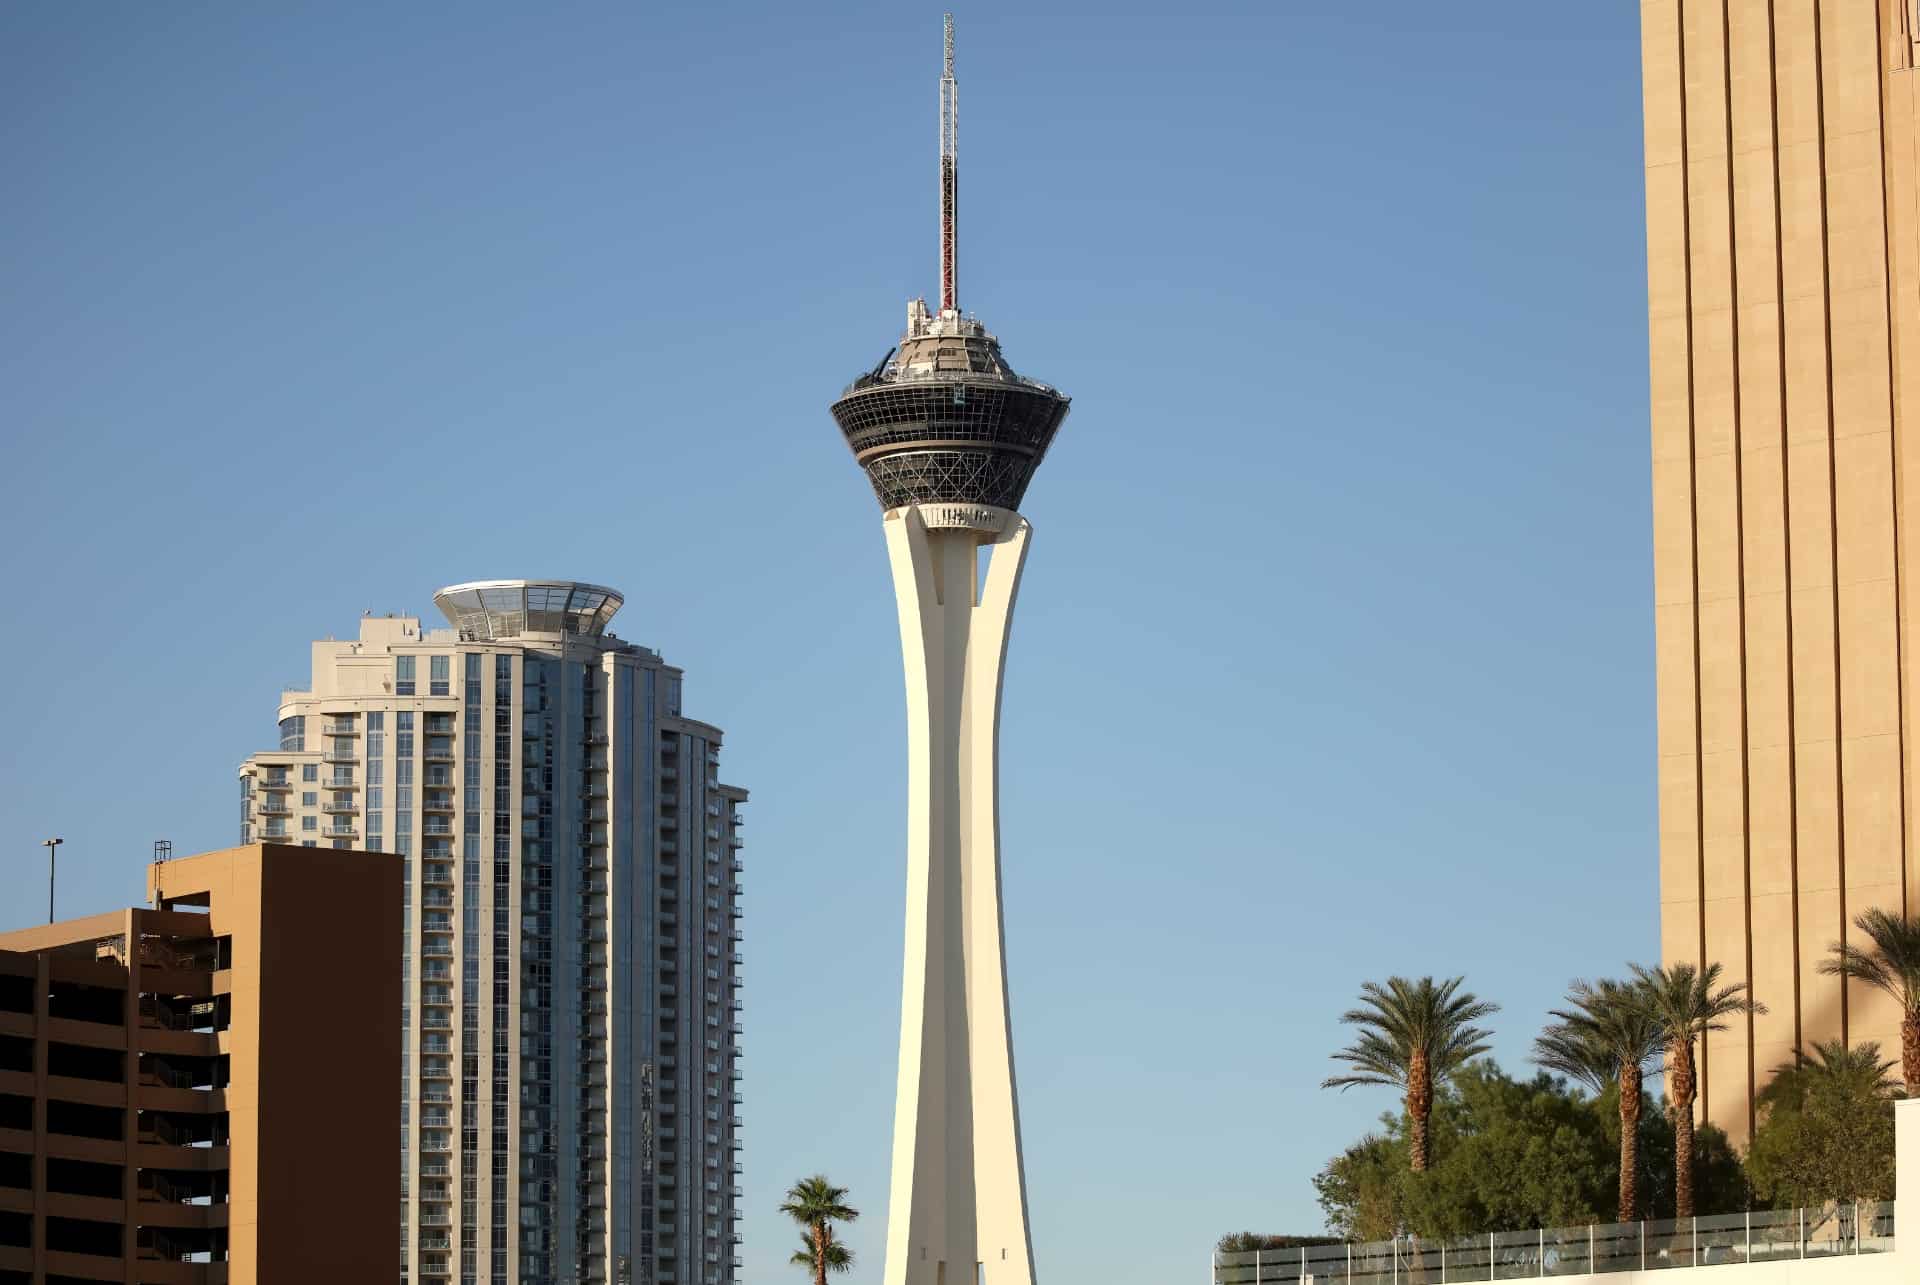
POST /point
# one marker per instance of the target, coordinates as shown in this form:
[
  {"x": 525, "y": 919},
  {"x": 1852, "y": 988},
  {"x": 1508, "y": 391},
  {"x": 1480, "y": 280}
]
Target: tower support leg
[{"x": 958, "y": 1207}]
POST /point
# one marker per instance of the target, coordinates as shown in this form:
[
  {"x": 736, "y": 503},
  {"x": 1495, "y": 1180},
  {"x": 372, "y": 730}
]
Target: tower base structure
[{"x": 958, "y": 1209}]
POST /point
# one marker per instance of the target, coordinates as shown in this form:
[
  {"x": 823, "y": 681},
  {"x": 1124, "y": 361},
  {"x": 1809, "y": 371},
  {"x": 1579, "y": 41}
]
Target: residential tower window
[
  {"x": 403, "y": 675},
  {"x": 439, "y": 675},
  {"x": 293, "y": 732}
]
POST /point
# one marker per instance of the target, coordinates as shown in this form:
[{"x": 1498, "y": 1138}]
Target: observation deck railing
[
  {"x": 892, "y": 375},
  {"x": 1761, "y": 1236}
]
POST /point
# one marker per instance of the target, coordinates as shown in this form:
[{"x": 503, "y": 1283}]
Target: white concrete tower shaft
[{"x": 958, "y": 1206}]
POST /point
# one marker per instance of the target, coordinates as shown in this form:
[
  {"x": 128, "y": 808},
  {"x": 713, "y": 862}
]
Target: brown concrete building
[
  {"x": 203, "y": 1091},
  {"x": 1783, "y": 255}
]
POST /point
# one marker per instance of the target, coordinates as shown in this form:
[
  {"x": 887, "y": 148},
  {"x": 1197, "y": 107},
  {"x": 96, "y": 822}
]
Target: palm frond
[
  {"x": 1605, "y": 1021},
  {"x": 1689, "y": 1002},
  {"x": 814, "y": 1200},
  {"x": 1891, "y": 961},
  {"x": 1402, "y": 1018},
  {"x": 839, "y": 1257}
]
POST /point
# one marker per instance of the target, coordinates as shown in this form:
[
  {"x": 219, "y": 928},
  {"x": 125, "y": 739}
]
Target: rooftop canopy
[{"x": 488, "y": 609}]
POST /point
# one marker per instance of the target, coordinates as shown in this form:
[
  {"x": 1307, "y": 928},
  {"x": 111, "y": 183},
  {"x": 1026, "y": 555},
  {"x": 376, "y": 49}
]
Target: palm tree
[
  {"x": 1412, "y": 1035},
  {"x": 1893, "y": 966},
  {"x": 1688, "y": 1002},
  {"x": 812, "y": 1253},
  {"x": 1858, "y": 1071},
  {"x": 817, "y": 1205},
  {"x": 1606, "y": 1021}
]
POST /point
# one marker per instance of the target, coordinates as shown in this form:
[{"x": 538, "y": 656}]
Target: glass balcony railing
[{"x": 1762, "y": 1236}]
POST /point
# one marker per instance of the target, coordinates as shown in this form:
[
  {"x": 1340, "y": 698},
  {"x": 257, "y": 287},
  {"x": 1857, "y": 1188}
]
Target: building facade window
[
  {"x": 403, "y": 675},
  {"x": 309, "y": 824},
  {"x": 309, "y": 771},
  {"x": 293, "y": 732},
  {"x": 309, "y": 799},
  {"x": 439, "y": 675}
]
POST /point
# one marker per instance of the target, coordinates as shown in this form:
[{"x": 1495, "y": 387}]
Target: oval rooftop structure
[
  {"x": 946, "y": 420},
  {"x": 490, "y": 609}
]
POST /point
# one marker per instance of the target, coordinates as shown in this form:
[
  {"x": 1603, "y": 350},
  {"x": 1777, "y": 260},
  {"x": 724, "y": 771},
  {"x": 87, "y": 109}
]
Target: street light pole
[{"x": 51, "y": 846}]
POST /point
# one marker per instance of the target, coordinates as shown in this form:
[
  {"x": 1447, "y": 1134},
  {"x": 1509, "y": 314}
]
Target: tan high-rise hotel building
[{"x": 1783, "y": 277}]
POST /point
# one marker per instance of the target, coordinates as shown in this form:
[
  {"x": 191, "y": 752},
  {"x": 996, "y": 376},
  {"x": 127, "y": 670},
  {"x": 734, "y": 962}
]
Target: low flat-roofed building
[{"x": 202, "y": 1091}]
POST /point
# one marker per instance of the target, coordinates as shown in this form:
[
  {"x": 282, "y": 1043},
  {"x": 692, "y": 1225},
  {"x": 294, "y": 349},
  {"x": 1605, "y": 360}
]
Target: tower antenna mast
[{"x": 949, "y": 180}]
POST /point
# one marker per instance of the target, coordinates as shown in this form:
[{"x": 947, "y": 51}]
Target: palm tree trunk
[
  {"x": 1419, "y": 1108},
  {"x": 1680, "y": 1083},
  {"x": 1910, "y": 1051},
  {"x": 1629, "y": 1142},
  {"x": 820, "y": 1252}
]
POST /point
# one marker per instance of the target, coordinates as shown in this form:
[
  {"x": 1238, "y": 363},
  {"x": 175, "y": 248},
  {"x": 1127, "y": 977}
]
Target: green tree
[
  {"x": 1360, "y": 1190},
  {"x": 817, "y": 1205},
  {"x": 1688, "y": 1003},
  {"x": 1891, "y": 965},
  {"x": 1246, "y": 1242},
  {"x": 821, "y": 1253},
  {"x": 1413, "y": 1035},
  {"x": 1826, "y": 1129},
  {"x": 1508, "y": 1154},
  {"x": 1512, "y": 1154},
  {"x": 1606, "y": 1021}
]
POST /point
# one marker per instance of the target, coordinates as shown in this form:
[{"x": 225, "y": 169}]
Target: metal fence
[{"x": 1756, "y": 1237}]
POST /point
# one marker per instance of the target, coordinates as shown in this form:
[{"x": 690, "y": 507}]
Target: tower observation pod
[{"x": 950, "y": 436}]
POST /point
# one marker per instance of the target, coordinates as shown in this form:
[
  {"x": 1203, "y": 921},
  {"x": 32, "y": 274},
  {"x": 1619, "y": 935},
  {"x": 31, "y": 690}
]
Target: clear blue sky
[{"x": 1334, "y": 657}]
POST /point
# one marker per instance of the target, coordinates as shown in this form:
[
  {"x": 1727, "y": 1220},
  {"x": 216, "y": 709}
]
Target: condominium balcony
[
  {"x": 340, "y": 809},
  {"x": 340, "y": 783},
  {"x": 438, "y": 803},
  {"x": 343, "y": 831},
  {"x": 438, "y": 754},
  {"x": 339, "y": 756},
  {"x": 347, "y": 727}
]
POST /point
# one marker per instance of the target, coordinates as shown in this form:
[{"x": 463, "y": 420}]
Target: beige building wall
[{"x": 1781, "y": 275}]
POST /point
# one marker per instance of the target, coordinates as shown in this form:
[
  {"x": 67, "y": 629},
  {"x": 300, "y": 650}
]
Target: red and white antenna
[{"x": 949, "y": 181}]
